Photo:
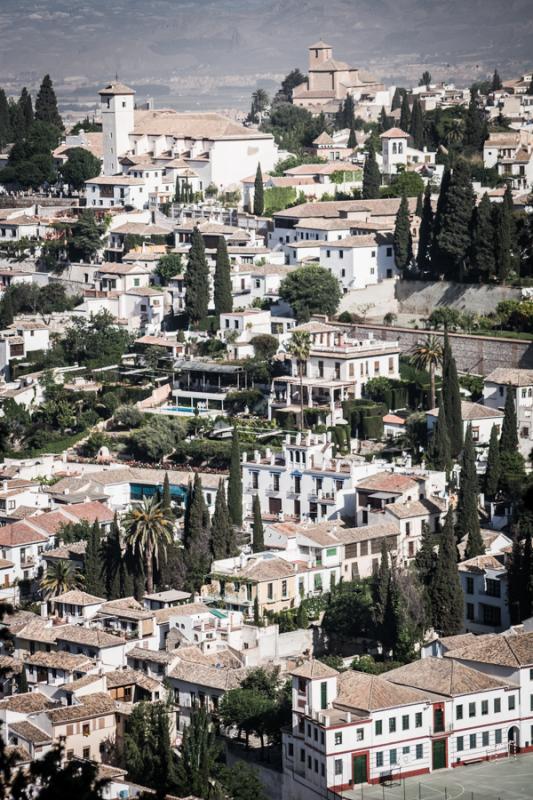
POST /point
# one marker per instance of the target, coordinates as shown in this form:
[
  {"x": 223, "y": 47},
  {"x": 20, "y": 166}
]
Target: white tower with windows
[
  {"x": 117, "y": 106},
  {"x": 394, "y": 150}
]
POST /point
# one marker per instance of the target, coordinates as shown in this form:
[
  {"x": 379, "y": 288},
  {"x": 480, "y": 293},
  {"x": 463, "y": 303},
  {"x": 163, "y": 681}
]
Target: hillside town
[{"x": 266, "y": 440}]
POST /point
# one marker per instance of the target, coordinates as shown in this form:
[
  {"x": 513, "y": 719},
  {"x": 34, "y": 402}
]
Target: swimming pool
[{"x": 182, "y": 410}]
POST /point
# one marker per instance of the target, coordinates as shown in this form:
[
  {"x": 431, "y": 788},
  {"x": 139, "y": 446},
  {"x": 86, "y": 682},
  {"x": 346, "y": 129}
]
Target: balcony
[{"x": 272, "y": 491}]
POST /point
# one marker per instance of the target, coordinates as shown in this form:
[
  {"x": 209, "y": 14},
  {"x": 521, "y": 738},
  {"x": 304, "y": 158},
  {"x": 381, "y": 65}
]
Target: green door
[
  {"x": 439, "y": 754},
  {"x": 359, "y": 769}
]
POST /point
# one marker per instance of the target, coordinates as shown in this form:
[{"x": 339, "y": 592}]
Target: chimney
[{"x": 44, "y": 610}]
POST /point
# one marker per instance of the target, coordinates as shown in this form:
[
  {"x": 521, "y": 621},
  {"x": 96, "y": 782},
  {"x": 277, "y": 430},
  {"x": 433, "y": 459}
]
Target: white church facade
[{"x": 146, "y": 150}]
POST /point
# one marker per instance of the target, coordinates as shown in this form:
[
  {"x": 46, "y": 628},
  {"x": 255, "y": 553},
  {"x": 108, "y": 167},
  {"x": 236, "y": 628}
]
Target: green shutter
[{"x": 323, "y": 695}]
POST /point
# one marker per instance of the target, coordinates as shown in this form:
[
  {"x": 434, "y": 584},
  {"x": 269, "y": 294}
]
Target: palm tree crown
[
  {"x": 427, "y": 355},
  {"x": 61, "y": 577},
  {"x": 299, "y": 346},
  {"x": 148, "y": 530}
]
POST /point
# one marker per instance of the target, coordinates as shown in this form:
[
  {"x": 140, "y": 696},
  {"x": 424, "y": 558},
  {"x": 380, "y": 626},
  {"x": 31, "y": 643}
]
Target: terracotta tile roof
[
  {"x": 58, "y": 659},
  {"x": 481, "y": 563},
  {"x": 314, "y": 669},
  {"x": 367, "y": 693},
  {"x": 18, "y": 534},
  {"x": 128, "y": 677},
  {"x": 29, "y": 732},
  {"x": 167, "y": 122},
  {"x": 80, "y": 683},
  {"x": 208, "y": 676},
  {"x": 261, "y": 569},
  {"x": 38, "y": 631},
  {"x": 91, "y": 511},
  {"x": 459, "y": 640},
  {"x": 514, "y": 650},
  {"x": 91, "y": 705},
  {"x": 416, "y": 508},
  {"x": 92, "y": 637},
  {"x": 394, "y": 133},
  {"x": 387, "y": 482},
  {"x": 27, "y": 703},
  {"x": 510, "y": 377},
  {"x": 443, "y": 676},
  {"x": 127, "y": 608},
  {"x": 156, "y": 656},
  {"x": 20, "y": 753},
  {"x": 164, "y": 614},
  {"x": 78, "y": 598},
  {"x": 473, "y": 411},
  {"x": 116, "y": 87},
  {"x": 336, "y": 208}
]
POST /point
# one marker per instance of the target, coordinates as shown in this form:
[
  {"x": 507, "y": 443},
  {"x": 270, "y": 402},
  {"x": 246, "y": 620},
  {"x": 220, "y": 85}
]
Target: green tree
[
  {"x": 5, "y": 123},
  {"x": 242, "y": 782},
  {"x": 496, "y": 81},
  {"x": 166, "y": 499},
  {"x": 22, "y": 681},
  {"x": 397, "y": 98},
  {"x": 196, "y": 281},
  {"x": 352, "y": 140},
  {"x": 198, "y": 755},
  {"x": 61, "y": 577},
  {"x": 291, "y": 81},
  {"x": 440, "y": 449},
  {"x": 80, "y": 166},
  {"x": 259, "y": 196},
  {"x": 475, "y": 125},
  {"x": 402, "y": 239},
  {"x": 113, "y": 563},
  {"x": 148, "y": 532},
  {"x": 483, "y": 261},
  {"x": 452, "y": 398},
  {"x": 514, "y": 580},
  {"x": 258, "y": 538},
  {"x": 46, "y": 104},
  {"x": 148, "y": 755},
  {"x": 426, "y": 557},
  {"x": 416, "y": 127},
  {"x": 311, "y": 290},
  {"x": 196, "y": 538},
  {"x": 85, "y": 237},
  {"x": 455, "y": 232},
  {"x": 223, "y": 542},
  {"x": 425, "y": 234},
  {"x": 223, "y": 297},
  {"x": 502, "y": 222},
  {"x": 380, "y": 587},
  {"x": 446, "y": 592},
  {"x": 493, "y": 470},
  {"x": 93, "y": 567},
  {"x": 405, "y": 114},
  {"x": 467, "y": 524},
  {"x": 168, "y": 266},
  {"x": 26, "y": 109},
  {"x": 427, "y": 356},
  {"x": 299, "y": 347},
  {"x": 235, "y": 481},
  {"x": 509, "y": 435},
  {"x": 371, "y": 175},
  {"x": 425, "y": 80},
  {"x": 437, "y": 256}
]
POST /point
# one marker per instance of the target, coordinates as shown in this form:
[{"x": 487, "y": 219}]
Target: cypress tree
[
  {"x": 94, "y": 583},
  {"x": 419, "y": 205},
  {"x": 447, "y": 598},
  {"x": 509, "y": 436},
  {"x": 177, "y": 193},
  {"x": 26, "y": 109},
  {"x": 46, "y": 104},
  {"x": 196, "y": 281},
  {"x": 526, "y": 575},
  {"x": 196, "y": 539},
  {"x": 5, "y": 123},
  {"x": 22, "y": 681},
  {"x": 352, "y": 141},
  {"x": 7, "y": 314},
  {"x": 259, "y": 194},
  {"x": 405, "y": 114},
  {"x": 402, "y": 239},
  {"x": 371, "y": 175},
  {"x": 455, "y": 231},
  {"x": 502, "y": 221},
  {"x": 496, "y": 81},
  {"x": 440, "y": 452},
  {"x": 425, "y": 557},
  {"x": 222, "y": 537},
  {"x": 482, "y": 259},
  {"x": 348, "y": 111},
  {"x": 166, "y": 500},
  {"x": 222, "y": 282},
  {"x": 113, "y": 563},
  {"x": 258, "y": 539},
  {"x": 493, "y": 471},
  {"x": 257, "y": 616},
  {"x": 467, "y": 506},
  {"x": 397, "y": 98},
  {"x": 437, "y": 258},
  {"x": 416, "y": 128},
  {"x": 514, "y": 580},
  {"x": 452, "y": 399},
  {"x": 302, "y": 620},
  {"x": 384, "y": 121},
  {"x": 425, "y": 234},
  {"x": 235, "y": 481},
  {"x": 475, "y": 128},
  {"x": 380, "y": 586}
]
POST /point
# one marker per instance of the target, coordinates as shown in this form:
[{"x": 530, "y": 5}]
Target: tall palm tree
[
  {"x": 427, "y": 355},
  {"x": 148, "y": 530},
  {"x": 61, "y": 577},
  {"x": 299, "y": 346}
]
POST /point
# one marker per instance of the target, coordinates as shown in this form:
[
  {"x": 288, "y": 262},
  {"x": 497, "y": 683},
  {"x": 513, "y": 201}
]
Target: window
[
  {"x": 86, "y": 752},
  {"x": 270, "y": 591},
  {"x": 531, "y": 674},
  {"x": 341, "y": 253},
  {"x": 86, "y": 729},
  {"x": 328, "y": 253},
  {"x": 70, "y": 755},
  {"x": 338, "y": 766},
  {"x": 359, "y": 734},
  {"x": 315, "y": 734},
  {"x": 331, "y": 551},
  {"x": 323, "y": 695},
  {"x": 376, "y": 367},
  {"x": 379, "y": 759},
  {"x": 291, "y": 749},
  {"x": 316, "y": 765},
  {"x": 498, "y": 736},
  {"x": 475, "y": 434},
  {"x": 470, "y": 586},
  {"x": 418, "y": 719},
  {"x": 393, "y": 757},
  {"x": 484, "y": 707},
  {"x": 389, "y": 252},
  {"x": 459, "y": 712},
  {"x": 255, "y": 480},
  {"x": 338, "y": 738},
  {"x": 493, "y": 588},
  {"x": 284, "y": 588},
  {"x": 472, "y": 741},
  {"x": 485, "y": 739},
  {"x": 497, "y": 705},
  {"x": 531, "y": 702},
  {"x": 392, "y": 725},
  {"x": 405, "y": 722},
  {"x": 460, "y": 743},
  {"x": 302, "y": 755},
  {"x": 471, "y": 709},
  {"x": 511, "y": 702},
  {"x": 470, "y": 611},
  {"x": 407, "y": 528},
  {"x": 309, "y": 762},
  {"x": 379, "y": 727}
]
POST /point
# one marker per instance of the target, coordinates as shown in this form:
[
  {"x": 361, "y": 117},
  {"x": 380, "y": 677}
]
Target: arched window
[
  {"x": 400, "y": 147},
  {"x": 394, "y": 147}
]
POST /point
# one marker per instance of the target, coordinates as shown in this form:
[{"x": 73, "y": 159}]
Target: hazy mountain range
[{"x": 163, "y": 42}]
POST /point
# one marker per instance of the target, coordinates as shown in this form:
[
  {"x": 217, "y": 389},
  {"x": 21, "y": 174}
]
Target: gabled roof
[
  {"x": 394, "y": 133},
  {"x": 393, "y": 482},
  {"x": 513, "y": 650},
  {"x": 19, "y": 533},
  {"x": 323, "y": 138},
  {"x": 313, "y": 669},
  {"x": 367, "y": 693},
  {"x": 510, "y": 377},
  {"x": 320, "y": 45},
  {"x": 92, "y": 705},
  {"x": 29, "y": 732},
  {"x": 92, "y": 637},
  {"x": 443, "y": 676},
  {"x": 116, "y": 87},
  {"x": 78, "y": 598}
]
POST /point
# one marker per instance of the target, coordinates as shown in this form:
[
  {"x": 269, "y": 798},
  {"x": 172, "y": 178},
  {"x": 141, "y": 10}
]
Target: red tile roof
[{"x": 19, "y": 533}]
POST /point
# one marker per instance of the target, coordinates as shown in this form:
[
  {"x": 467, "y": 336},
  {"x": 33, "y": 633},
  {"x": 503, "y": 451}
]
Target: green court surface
[{"x": 503, "y": 779}]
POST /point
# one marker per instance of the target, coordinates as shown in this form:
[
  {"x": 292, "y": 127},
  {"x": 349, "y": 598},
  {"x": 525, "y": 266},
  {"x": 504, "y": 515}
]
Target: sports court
[{"x": 505, "y": 779}]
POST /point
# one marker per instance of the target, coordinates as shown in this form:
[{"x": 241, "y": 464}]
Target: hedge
[{"x": 372, "y": 427}]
